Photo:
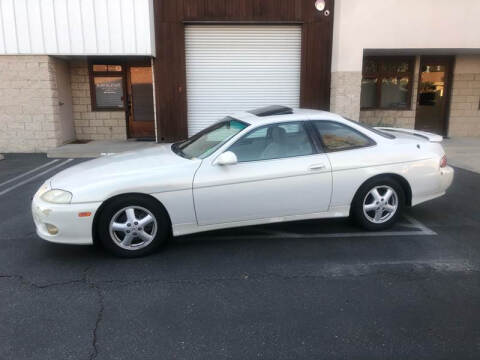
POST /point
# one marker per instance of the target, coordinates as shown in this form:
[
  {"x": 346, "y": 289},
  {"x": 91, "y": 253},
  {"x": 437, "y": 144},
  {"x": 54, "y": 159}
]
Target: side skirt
[{"x": 184, "y": 229}]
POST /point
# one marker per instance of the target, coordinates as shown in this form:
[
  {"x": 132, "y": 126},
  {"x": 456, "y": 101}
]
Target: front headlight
[
  {"x": 42, "y": 190},
  {"x": 57, "y": 196}
]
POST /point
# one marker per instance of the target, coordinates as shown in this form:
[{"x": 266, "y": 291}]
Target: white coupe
[{"x": 267, "y": 165}]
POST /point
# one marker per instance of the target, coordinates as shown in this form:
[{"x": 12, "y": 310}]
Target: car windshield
[{"x": 207, "y": 141}]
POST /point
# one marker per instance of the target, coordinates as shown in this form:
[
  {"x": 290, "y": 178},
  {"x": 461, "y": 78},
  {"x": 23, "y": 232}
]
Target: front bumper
[{"x": 72, "y": 229}]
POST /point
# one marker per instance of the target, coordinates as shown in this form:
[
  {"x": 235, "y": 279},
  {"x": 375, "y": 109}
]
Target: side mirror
[{"x": 227, "y": 158}]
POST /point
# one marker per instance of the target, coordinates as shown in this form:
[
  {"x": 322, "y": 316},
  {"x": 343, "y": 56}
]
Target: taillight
[{"x": 443, "y": 161}]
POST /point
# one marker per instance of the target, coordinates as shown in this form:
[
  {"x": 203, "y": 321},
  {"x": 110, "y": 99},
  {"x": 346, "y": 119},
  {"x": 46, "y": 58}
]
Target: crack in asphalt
[
  {"x": 98, "y": 320},
  {"x": 327, "y": 271},
  {"x": 27, "y": 282},
  {"x": 83, "y": 280},
  {"x": 333, "y": 271}
]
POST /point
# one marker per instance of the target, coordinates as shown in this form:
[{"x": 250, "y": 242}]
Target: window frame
[
  {"x": 381, "y": 74},
  {"x": 93, "y": 74},
  {"x": 306, "y": 127},
  {"x": 371, "y": 142}
]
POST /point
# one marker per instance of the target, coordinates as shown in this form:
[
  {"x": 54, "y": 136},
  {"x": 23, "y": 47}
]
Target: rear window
[
  {"x": 369, "y": 128},
  {"x": 337, "y": 136}
]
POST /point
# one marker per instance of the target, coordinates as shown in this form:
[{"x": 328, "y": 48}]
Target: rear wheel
[
  {"x": 378, "y": 204},
  {"x": 132, "y": 226}
]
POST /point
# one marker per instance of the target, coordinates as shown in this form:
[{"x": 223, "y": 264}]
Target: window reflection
[
  {"x": 432, "y": 85},
  {"x": 394, "y": 93},
  {"x": 369, "y": 93},
  {"x": 386, "y": 82},
  {"x": 142, "y": 93},
  {"x": 273, "y": 142},
  {"x": 107, "y": 86},
  {"x": 370, "y": 67},
  {"x": 108, "y": 91},
  {"x": 336, "y": 136}
]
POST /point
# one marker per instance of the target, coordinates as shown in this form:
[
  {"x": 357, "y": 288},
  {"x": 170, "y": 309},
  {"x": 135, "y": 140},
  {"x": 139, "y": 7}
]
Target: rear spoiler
[{"x": 423, "y": 134}]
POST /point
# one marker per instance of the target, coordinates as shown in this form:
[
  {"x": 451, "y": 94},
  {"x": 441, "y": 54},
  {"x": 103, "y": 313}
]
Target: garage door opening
[{"x": 239, "y": 67}]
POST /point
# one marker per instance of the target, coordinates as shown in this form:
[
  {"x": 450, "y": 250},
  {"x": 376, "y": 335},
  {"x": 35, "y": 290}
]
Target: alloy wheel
[
  {"x": 380, "y": 204},
  {"x": 133, "y": 227}
]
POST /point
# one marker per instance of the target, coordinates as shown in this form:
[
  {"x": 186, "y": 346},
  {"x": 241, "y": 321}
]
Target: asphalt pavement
[{"x": 306, "y": 290}]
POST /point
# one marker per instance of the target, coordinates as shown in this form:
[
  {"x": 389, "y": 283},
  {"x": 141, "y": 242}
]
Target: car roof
[{"x": 294, "y": 115}]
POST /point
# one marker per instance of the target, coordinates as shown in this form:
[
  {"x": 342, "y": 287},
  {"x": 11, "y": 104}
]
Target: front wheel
[
  {"x": 378, "y": 204},
  {"x": 132, "y": 226}
]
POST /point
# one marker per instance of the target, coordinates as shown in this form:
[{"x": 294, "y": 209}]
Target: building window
[
  {"x": 107, "y": 87},
  {"x": 387, "y": 82}
]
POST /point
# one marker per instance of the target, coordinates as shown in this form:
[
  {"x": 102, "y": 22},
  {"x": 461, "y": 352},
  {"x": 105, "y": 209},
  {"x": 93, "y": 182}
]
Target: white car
[{"x": 268, "y": 165}]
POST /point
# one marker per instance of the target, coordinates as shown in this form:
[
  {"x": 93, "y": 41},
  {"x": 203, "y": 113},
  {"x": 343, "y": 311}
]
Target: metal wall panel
[
  {"x": 76, "y": 27},
  {"x": 239, "y": 67}
]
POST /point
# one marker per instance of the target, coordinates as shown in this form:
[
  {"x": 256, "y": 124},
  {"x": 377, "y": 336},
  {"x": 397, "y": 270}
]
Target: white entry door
[{"x": 234, "y": 68}]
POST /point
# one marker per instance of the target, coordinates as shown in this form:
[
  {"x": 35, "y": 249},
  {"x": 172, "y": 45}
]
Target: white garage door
[{"x": 236, "y": 68}]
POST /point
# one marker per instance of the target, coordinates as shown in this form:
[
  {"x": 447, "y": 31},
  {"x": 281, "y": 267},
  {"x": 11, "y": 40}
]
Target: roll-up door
[{"x": 240, "y": 67}]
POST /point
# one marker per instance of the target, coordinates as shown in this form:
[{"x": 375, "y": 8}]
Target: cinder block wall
[
  {"x": 29, "y": 109},
  {"x": 92, "y": 125},
  {"x": 464, "y": 106},
  {"x": 345, "y": 93}
]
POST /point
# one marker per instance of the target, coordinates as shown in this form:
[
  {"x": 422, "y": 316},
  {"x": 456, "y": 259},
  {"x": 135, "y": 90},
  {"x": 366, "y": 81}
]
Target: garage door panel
[{"x": 233, "y": 68}]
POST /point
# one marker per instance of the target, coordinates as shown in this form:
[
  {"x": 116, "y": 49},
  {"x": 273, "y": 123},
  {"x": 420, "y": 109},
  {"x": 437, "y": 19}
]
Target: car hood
[{"x": 150, "y": 170}]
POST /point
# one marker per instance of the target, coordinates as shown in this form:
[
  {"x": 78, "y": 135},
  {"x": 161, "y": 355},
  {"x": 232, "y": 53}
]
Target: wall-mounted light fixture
[{"x": 320, "y": 5}]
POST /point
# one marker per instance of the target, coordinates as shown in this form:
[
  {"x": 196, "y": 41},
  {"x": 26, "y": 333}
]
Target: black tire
[
  {"x": 159, "y": 228},
  {"x": 365, "y": 220}
]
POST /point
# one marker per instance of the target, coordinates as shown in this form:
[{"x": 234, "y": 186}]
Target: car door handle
[{"x": 316, "y": 167}]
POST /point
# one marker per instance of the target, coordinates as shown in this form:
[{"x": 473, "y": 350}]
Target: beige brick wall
[
  {"x": 395, "y": 118},
  {"x": 29, "y": 109},
  {"x": 92, "y": 125},
  {"x": 464, "y": 107},
  {"x": 345, "y": 93}
]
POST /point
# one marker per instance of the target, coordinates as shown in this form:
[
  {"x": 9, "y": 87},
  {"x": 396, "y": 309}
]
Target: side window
[
  {"x": 274, "y": 141},
  {"x": 336, "y": 136},
  {"x": 258, "y": 134}
]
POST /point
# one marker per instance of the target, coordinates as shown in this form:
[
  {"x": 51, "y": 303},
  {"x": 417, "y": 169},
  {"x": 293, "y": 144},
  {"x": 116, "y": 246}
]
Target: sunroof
[{"x": 272, "y": 110}]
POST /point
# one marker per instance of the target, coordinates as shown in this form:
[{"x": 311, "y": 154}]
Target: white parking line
[
  {"x": 426, "y": 230},
  {"x": 28, "y": 172},
  {"x": 34, "y": 177},
  {"x": 420, "y": 230}
]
